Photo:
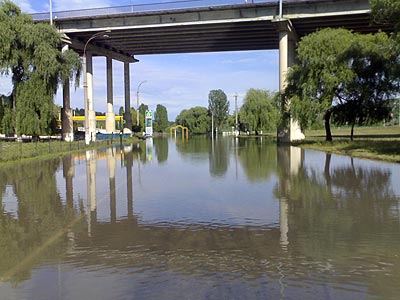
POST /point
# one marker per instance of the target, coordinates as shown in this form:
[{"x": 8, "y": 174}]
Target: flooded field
[{"x": 200, "y": 219}]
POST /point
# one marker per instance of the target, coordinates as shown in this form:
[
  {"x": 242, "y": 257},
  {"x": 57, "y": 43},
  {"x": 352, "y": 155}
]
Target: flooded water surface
[{"x": 200, "y": 219}]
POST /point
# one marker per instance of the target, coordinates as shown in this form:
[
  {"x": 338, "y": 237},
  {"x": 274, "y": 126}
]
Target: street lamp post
[
  {"x": 137, "y": 103},
  {"x": 51, "y": 12},
  {"x": 89, "y": 104}
]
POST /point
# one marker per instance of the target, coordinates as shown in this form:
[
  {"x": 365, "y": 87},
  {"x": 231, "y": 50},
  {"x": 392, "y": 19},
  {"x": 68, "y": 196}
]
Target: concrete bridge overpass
[{"x": 198, "y": 26}]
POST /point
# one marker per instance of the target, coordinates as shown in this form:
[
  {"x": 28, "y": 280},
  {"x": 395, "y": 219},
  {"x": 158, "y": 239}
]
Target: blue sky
[{"x": 177, "y": 81}]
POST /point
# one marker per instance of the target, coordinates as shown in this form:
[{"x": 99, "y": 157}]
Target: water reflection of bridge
[
  {"x": 131, "y": 223},
  {"x": 128, "y": 244}
]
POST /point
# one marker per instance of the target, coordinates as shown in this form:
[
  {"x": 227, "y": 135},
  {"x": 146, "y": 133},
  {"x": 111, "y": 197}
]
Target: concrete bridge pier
[
  {"x": 110, "y": 115},
  {"x": 67, "y": 126},
  {"x": 290, "y": 131},
  {"x": 127, "y": 115}
]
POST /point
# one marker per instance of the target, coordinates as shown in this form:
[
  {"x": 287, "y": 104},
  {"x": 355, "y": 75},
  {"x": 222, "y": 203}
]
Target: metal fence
[{"x": 148, "y": 7}]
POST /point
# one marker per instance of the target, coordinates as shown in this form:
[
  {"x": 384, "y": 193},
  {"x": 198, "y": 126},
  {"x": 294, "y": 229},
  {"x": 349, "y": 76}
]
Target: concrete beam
[
  {"x": 226, "y": 13},
  {"x": 98, "y": 50},
  {"x": 210, "y": 29}
]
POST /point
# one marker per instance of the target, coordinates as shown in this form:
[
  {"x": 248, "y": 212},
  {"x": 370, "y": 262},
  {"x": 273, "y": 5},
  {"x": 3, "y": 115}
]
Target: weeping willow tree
[{"x": 31, "y": 53}]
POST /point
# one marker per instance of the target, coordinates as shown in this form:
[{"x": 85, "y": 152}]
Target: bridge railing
[{"x": 140, "y": 8}]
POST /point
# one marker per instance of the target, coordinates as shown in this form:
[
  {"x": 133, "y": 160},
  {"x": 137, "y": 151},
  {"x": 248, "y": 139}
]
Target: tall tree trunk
[
  {"x": 352, "y": 131},
  {"x": 327, "y": 118}
]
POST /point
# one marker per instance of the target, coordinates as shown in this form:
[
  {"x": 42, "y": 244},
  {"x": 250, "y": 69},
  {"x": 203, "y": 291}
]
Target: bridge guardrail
[{"x": 141, "y": 8}]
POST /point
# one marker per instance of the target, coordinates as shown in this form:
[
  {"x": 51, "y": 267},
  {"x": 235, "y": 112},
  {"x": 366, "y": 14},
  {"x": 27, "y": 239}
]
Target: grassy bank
[
  {"x": 11, "y": 152},
  {"x": 378, "y": 143}
]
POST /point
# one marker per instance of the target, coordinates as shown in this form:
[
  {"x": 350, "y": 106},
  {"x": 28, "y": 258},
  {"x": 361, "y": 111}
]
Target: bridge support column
[
  {"x": 67, "y": 127},
  {"x": 110, "y": 115},
  {"x": 127, "y": 115},
  {"x": 90, "y": 118},
  {"x": 290, "y": 131}
]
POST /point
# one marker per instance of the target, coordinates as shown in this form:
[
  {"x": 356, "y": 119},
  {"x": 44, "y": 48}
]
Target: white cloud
[
  {"x": 183, "y": 81},
  {"x": 178, "y": 81},
  {"x": 239, "y": 61},
  {"x": 26, "y": 6}
]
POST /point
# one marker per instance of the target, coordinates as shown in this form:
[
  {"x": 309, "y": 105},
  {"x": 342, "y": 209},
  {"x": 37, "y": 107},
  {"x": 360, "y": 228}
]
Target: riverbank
[
  {"x": 11, "y": 152},
  {"x": 377, "y": 143}
]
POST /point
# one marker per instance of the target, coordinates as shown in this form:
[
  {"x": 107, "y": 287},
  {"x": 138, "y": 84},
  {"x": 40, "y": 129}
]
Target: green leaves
[
  {"x": 219, "y": 106},
  {"x": 161, "y": 118},
  {"x": 259, "y": 111},
  {"x": 32, "y": 53},
  {"x": 34, "y": 107},
  {"x": 347, "y": 73},
  {"x": 197, "y": 119},
  {"x": 386, "y": 12}
]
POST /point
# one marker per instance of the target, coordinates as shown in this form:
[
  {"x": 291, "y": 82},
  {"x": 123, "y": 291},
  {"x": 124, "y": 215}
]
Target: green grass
[
  {"x": 16, "y": 151},
  {"x": 378, "y": 143}
]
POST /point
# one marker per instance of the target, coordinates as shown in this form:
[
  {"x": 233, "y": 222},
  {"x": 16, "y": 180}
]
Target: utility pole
[
  {"x": 51, "y": 12},
  {"x": 236, "y": 113}
]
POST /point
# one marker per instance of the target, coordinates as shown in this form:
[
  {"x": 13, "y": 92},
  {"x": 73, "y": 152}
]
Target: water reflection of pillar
[
  {"x": 129, "y": 189},
  {"x": 111, "y": 162},
  {"x": 91, "y": 160},
  {"x": 236, "y": 155},
  {"x": 289, "y": 162},
  {"x": 69, "y": 173},
  {"x": 283, "y": 222},
  {"x": 296, "y": 159}
]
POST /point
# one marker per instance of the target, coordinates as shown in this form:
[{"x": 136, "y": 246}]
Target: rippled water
[{"x": 229, "y": 219}]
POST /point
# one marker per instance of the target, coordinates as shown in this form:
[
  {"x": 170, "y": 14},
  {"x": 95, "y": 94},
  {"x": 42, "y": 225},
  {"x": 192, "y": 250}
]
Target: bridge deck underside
[{"x": 229, "y": 36}]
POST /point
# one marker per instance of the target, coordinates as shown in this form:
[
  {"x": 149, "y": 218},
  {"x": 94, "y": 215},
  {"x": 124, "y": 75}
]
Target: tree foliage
[
  {"x": 386, "y": 12},
  {"x": 259, "y": 111},
  {"x": 161, "y": 118},
  {"x": 142, "y": 111},
  {"x": 32, "y": 54},
  {"x": 219, "y": 106},
  {"x": 345, "y": 73},
  {"x": 197, "y": 119},
  {"x": 368, "y": 97},
  {"x": 313, "y": 83}
]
